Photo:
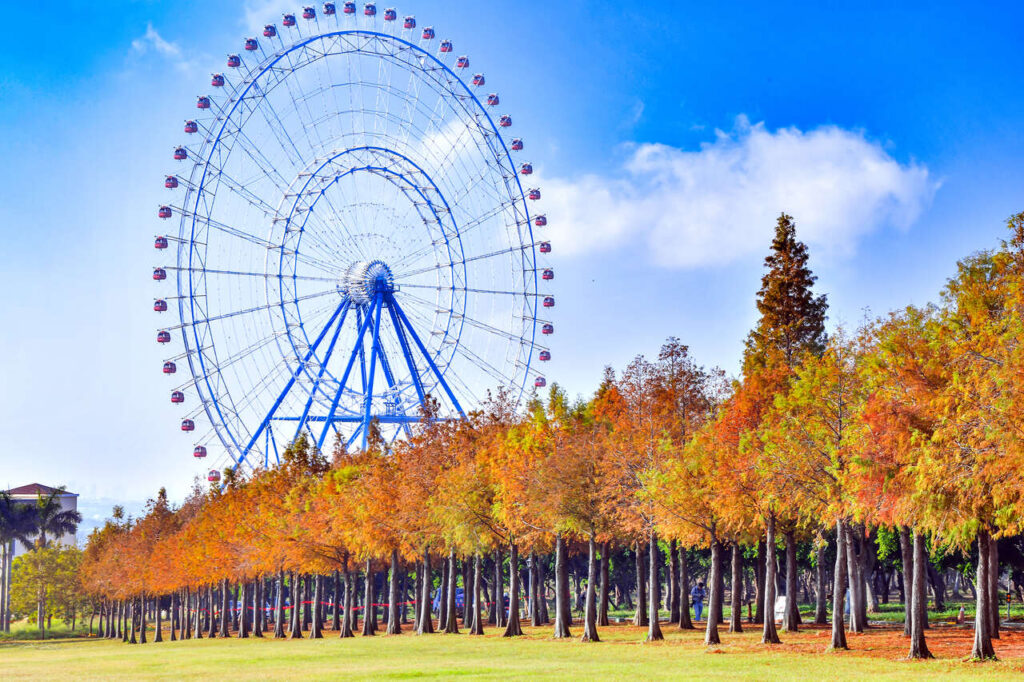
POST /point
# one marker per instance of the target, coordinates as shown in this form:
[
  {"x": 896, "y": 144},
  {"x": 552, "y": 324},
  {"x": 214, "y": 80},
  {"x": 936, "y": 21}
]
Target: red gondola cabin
[
  {"x": 169, "y": 368},
  {"x": 177, "y": 397},
  {"x": 308, "y": 12},
  {"x": 349, "y": 8},
  {"x": 540, "y": 221},
  {"x": 547, "y": 330},
  {"x": 160, "y": 243},
  {"x": 428, "y": 33},
  {"x": 369, "y": 10},
  {"x": 188, "y": 425},
  {"x": 180, "y": 154},
  {"x": 288, "y": 20},
  {"x": 517, "y": 144},
  {"x": 390, "y": 14},
  {"x": 446, "y": 46},
  {"x": 462, "y": 62},
  {"x": 160, "y": 305},
  {"x": 164, "y": 212},
  {"x": 549, "y": 302},
  {"x": 199, "y": 451},
  {"x": 545, "y": 247},
  {"x": 329, "y": 8},
  {"x": 250, "y": 43},
  {"x": 163, "y": 336},
  {"x": 548, "y": 275},
  {"x": 540, "y": 382},
  {"x": 202, "y": 102},
  {"x": 269, "y": 31},
  {"x": 410, "y": 22},
  {"x": 493, "y": 100},
  {"x": 533, "y": 195},
  {"x": 479, "y": 80},
  {"x": 159, "y": 274},
  {"x": 170, "y": 182},
  {"x": 234, "y": 61},
  {"x": 213, "y": 477},
  {"x": 505, "y": 121},
  {"x": 526, "y": 169},
  {"x": 544, "y": 356},
  {"x": 191, "y": 127},
  {"x": 217, "y": 80}
]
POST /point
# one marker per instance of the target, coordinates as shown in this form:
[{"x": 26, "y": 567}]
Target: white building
[{"x": 28, "y": 494}]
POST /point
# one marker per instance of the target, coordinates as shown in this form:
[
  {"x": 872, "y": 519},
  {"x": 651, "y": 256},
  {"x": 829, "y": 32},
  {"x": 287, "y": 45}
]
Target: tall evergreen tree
[{"x": 792, "y": 317}]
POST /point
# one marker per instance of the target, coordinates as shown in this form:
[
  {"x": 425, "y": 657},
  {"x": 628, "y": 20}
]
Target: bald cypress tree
[
  {"x": 791, "y": 323},
  {"x": 792, "y": 316}
]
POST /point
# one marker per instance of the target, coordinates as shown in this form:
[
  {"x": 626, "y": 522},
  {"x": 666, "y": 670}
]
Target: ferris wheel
[{"x": 354, "y": 236}]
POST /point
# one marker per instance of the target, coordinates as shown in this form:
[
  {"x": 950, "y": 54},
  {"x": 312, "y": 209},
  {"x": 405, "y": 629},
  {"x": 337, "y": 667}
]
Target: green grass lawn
[{"x": 621, "y": 654}]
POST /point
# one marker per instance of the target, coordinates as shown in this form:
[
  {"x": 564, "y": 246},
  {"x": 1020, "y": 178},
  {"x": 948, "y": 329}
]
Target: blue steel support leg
[
  {"x": 291, "y": 382},
  {"x": 386, "y": 366},
  {"x": 426, "y": 354},
  {"x": 273, "y": 441},
  {"x": 323, "y": 368},
  {"x": 407, "y": 352},
  {"x": 375, "y": 310},
  {"x": 344, "y": 380},
  {"x": 362, "y": 353}
]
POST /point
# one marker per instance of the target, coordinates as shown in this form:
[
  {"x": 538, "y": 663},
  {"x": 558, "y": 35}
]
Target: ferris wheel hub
[{"x": 363, "y": 280}]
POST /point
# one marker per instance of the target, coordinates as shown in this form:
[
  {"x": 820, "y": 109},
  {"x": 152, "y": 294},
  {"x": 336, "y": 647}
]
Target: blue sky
[{"x": 669, "y": 136}]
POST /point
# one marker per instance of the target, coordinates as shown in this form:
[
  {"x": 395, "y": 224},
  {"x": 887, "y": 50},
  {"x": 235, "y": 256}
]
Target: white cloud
[
  {"x": 151, "y": 40},
  {"x": 719, "y": 204}
]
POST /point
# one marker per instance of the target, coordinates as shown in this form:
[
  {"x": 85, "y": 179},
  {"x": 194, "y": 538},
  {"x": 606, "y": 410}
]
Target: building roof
[{"x": 36, "y": 489}]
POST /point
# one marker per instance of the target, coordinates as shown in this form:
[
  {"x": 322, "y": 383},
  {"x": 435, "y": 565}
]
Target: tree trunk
[
  {"x": 602, "y": 610},
  {"x": 759, "y": 573},
  {"x": 907, "y": 577},
  {"x": 654, "y": 633},
  {"x": 158, "y": 636},
  {"x": 498, "y": 591},
  {"x": 425, "y": 626},
  {"x": 442, "y": 610},
  {"x": 918, "y": 647},
  {"x": 350, "y": 598},
  {"x": 820, "y": 612},
  {"x": 477, "y": 627},
  {"x": 640, "y": 618},
  {"x": 673, "y": 583},
  {"x": 451, "y": 627},
  {"x": 243, "y": 619},
  {"x": 791, "y": 616},
  {"x": 983, "y": 649},
  {"x": 142, "y": 619},
  {"x": 316, "y": 630},
  {"x": 394, "y": 620},
  {"x": 336, "y": 599},
  {"x": 770, "y": 635},
  {"x": 714, "y": 596},
  {"x": 296, "y": 613},
  {"x": 736, "y": 601},
  {"x": 590, "y": 610},
  {"x": 513, "y": 627},
  {"x": 685, "y": 622},
  {"x": 854, "y": 548},
  {"x": 839, "y": 589},
  {"x": 993, "y": 587},
  {"x": 563, "y": 617},
  {"x": 467, "y": 589},
  {"x": 369, "y": 610}
]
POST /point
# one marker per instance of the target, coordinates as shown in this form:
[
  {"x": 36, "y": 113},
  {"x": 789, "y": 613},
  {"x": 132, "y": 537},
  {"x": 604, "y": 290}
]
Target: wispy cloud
[
  {"x": 715, "y": 205},
  {"x": 152, "y": 40}
]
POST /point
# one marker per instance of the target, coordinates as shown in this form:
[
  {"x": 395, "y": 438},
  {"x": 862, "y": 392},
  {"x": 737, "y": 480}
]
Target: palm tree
[
  {"x": 52, "y": 519},
  {"x": 17, "y": 522}
]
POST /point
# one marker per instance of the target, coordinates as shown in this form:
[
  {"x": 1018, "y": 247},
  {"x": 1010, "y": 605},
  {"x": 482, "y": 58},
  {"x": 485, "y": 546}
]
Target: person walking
[{"x": 697, "y": 596}]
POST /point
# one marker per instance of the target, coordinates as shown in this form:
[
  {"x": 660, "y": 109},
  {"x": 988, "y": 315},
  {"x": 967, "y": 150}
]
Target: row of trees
[
  {"x": 34, "y": 525},
  {"x": 908, "y": 426}
]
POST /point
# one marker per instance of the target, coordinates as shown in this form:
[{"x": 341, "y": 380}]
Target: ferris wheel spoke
[
  {"x": 471, "y": 259},
  {"x": 471, "y": 290},
  {"x": 255, "y": 309},
  {"x": 265, "y": 275}
]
